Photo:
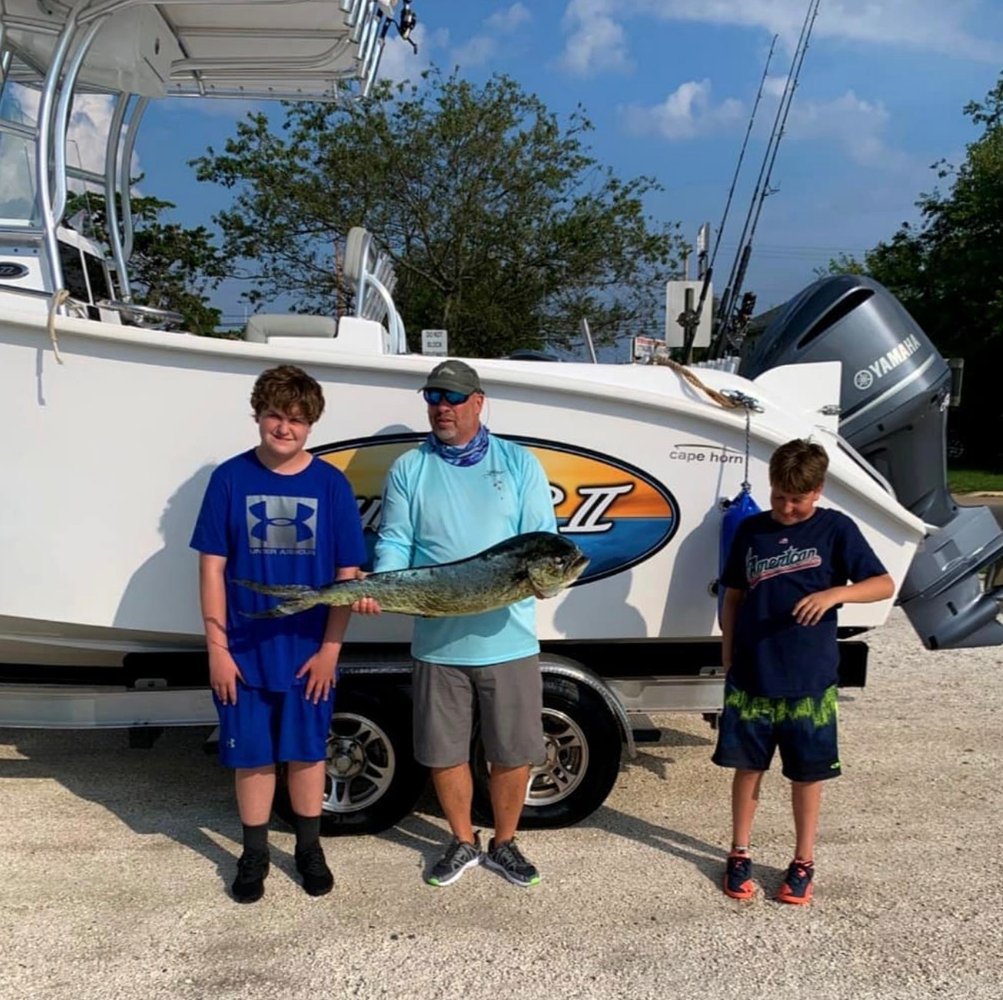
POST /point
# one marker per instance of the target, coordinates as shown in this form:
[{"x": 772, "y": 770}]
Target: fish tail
[
  {"x": 290, "y": 607},
  {"x": 299, "y": 598}
]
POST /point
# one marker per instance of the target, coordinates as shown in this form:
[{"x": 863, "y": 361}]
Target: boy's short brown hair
[
  {"x": 798, "y": 467},
  {"x": 287, "y": 388}
]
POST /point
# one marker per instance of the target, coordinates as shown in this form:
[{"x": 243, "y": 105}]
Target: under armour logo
[
  {"x": 300, "y": 522},
  {"x": 282, "y": 524},
  {"x": 231, "y": 743}
]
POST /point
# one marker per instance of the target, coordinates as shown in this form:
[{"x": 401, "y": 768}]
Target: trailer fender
[{"x": 560, "y": 666}]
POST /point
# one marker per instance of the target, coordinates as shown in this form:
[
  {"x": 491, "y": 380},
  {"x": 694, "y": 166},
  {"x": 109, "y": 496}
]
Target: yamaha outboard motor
[{"x": 893, "y": 399}]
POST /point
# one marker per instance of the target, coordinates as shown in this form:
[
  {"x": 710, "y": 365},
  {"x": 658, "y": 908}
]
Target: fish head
[{"x": 553, "y": 562}]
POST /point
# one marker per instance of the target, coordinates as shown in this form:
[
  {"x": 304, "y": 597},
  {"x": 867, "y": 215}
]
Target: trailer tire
[
  {"x": 373, "y": 780},
  {"x": 583, "y": 743}
]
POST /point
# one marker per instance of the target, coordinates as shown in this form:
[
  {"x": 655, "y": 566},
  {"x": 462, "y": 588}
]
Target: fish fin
[
  {"x": 287, "y": 590},
  {"x": 290, "y": 607}
]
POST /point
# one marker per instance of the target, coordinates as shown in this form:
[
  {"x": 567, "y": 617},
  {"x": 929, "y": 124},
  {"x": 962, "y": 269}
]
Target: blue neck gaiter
[{"x": 468, "y": 454}]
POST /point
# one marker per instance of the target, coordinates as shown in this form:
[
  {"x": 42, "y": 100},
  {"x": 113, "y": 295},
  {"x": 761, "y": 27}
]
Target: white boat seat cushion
[{"x": 264, "y": 325}]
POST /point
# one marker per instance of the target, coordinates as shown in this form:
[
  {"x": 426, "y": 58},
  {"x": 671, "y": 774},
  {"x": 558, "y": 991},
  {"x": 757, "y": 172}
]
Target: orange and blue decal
[{"x": 615, "y": 512}]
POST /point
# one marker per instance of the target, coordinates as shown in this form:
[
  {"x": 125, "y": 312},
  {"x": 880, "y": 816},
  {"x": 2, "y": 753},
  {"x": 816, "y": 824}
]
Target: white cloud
[
  {"x": 475, "y": 51},
  {"x": 687, "y": 112},
  {"x": 399, "y": 61},
  {"x": 478, "y": 50},
  {"x": 970, "y": 29},
  {"x": 596, "y": 42},
  {"x": 773, "y": 86},
  {"x": 855, "y": 125},
  {"x": 506, "y": 21}
]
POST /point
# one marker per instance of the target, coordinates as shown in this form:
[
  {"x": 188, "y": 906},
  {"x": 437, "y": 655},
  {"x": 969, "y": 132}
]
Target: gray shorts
[{"x": 508, "y": 697}]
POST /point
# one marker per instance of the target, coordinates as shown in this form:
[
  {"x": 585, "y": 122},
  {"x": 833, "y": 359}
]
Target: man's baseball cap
[{"x": 453, "y": 375}]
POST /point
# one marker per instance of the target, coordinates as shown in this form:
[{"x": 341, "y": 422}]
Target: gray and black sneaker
[
  {"x": 249, "y": 885},
  {"x": 511, "y": 862},
  {"x": 458, "y": 858}
]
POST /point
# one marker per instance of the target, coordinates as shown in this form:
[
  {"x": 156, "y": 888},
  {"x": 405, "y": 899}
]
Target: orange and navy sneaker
[
  {"x": 796, "y": 886},
  {"x": 738, "y": 877}
]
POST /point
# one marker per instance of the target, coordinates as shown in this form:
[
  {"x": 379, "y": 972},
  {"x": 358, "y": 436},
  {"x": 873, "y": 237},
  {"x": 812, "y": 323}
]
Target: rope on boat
[
  {"x": 58, "y": 298},
  {"x": 687, "y": 373}
]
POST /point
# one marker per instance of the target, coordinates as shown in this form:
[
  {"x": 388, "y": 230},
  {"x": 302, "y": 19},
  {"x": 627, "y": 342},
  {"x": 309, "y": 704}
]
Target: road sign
[
  {"x": 435, "y": 342},
  {"x": 644, "y": 350}
]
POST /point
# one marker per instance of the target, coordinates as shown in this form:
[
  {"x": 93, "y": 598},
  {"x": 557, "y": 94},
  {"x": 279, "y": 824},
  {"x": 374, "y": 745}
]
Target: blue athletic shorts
[
  {"x": 269, "y": 727},
  {"x": 803, "y": 729}
]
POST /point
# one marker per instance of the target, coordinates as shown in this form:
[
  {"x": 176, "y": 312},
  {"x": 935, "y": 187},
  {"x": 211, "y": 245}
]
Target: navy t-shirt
[
  {"x": 776, "y": 565},
  {"x": 277, "y": 529}
]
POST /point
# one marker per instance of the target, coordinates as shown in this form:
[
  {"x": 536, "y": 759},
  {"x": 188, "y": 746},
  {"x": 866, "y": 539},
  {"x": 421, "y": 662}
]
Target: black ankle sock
[
  {"x": 256, "y": 838},
  {"x": 307, "y": 830}
]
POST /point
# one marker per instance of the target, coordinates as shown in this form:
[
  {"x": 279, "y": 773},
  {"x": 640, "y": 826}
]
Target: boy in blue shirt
[
  {"x": 276, "y": 515},
  {"x": 787, "y": 574}
]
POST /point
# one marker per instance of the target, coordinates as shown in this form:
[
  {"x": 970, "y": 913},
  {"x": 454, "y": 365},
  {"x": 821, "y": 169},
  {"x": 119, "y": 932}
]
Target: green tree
[
  {"x": 842, "y": 264},
  {"x": 171, "y": 267},
  {"x": 503, "y": 229},
  {"x": 948, "y": 272}
]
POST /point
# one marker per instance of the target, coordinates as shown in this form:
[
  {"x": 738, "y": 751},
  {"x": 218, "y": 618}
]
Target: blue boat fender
[{"x": 735, "y": 512}]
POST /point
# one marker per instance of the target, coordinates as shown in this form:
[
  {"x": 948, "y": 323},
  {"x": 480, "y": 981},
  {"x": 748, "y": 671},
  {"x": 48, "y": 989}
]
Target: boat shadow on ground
[{"x": 172, "y": 789}]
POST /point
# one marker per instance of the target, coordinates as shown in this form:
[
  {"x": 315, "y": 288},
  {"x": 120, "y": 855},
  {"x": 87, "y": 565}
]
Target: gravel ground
[{"x": 113, "y": 866}]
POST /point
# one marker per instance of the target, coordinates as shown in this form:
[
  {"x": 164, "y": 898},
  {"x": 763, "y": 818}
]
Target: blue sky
[{"x": 669, "y": 85}]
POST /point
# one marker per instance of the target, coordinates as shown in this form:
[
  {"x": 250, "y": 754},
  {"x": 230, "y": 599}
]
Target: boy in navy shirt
[
  {"x": 788, "y": 572},
  {"x": 276, "y": 515}
]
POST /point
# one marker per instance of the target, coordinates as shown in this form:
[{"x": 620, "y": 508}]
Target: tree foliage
[
  {"x": 502, "y": 227},
  {"x": 171, "y": 267},
  {"x": 948, "y": 272}
]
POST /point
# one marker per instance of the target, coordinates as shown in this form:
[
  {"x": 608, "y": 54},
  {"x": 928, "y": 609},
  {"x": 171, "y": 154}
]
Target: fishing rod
[
  {"x": 762, "y": 188},
  {"x": 741, "y": 154},
  {"x": 693, "y": 320}
]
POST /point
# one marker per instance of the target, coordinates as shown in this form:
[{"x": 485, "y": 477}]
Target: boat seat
[{"x": 263, "y": 326}]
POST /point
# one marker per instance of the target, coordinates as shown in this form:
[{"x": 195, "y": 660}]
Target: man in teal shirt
[{"x": 461, "y": 491}]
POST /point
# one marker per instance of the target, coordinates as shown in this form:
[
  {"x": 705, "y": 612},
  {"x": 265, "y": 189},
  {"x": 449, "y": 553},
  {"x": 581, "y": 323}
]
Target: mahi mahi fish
[{"x": 535, "y": 564}]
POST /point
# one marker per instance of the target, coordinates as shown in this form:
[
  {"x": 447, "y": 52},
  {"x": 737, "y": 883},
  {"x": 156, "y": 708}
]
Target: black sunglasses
[{"x": 435, "y": 396}]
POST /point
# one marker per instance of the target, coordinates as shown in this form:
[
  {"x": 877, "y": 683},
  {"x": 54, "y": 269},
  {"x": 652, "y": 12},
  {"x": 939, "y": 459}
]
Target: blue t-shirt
[
  {"x": 776, "y": 565},
  {"x": 434, "y": 512},
  {"x": 277, "y": 529}
]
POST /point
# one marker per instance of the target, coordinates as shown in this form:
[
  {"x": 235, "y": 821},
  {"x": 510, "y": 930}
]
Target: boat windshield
[{"x": 17, "y": 157}]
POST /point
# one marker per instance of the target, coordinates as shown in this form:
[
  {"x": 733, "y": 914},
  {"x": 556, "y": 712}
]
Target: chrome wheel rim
[
  {"x": 567, "y": 760},
  {"x": 360, "y": 763}
]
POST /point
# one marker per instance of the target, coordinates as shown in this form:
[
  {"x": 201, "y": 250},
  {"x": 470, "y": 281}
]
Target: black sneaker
[
  {"x": 510, "y": 861},
  {"x": 796, "y": 887},
  {"x": 317, "y": 877},
  {"x": 458, "y": 858},
  {"x": 738, "y": 877},
  {"x": 249, "y": 885}
]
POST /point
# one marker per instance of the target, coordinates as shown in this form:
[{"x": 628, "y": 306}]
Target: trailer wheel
[
  {"x": 373, "y": 780},
  {"x": 583, "y": 759}
]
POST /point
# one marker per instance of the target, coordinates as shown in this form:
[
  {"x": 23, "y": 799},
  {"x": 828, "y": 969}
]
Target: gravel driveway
[{"x": 113, "y": 865}]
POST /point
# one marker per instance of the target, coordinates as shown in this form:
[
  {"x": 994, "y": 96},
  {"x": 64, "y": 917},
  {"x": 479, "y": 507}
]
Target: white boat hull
[{"x": 111, "y": 451}]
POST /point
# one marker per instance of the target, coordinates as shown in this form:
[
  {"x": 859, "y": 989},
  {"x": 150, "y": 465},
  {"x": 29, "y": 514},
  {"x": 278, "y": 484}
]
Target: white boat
[{"x": 117, "y": 422}]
